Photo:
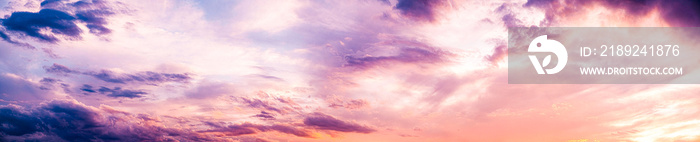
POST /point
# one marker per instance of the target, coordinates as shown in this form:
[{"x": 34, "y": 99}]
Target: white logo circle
[{"x": 542, "y": 44}]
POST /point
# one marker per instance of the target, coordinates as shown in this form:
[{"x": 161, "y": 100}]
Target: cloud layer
[{"x": 298, "y": 70}]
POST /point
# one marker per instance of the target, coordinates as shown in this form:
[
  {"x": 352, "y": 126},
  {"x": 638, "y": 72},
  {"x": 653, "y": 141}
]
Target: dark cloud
[
  {"x": 51, "y": 83},
  {"x": 49, "y": 80},
  {"x": 406, "y": 55},
  {"x": 147, "y": 77},
  {"x": 326, "y": 122},
  {"x": 87, "y": 88},
  {"x": 10, "y": 40},
  {"x": 49, "y": 2},
  {"x": 268, "y": 77},
  {"x": 59, "y": 23},
  {"x": 57, "y": 16},
  {"x": 235, "y": 130},
  {"x": 682, "y": 13},
  {"x": 249, "y": 128},
  {"x": 88, "y": 4},
  {"x": 422, "y": 10},
  {"x": 60, "y": 69},
  {"x": 90, "y": 12},
  {"x": 290, "y": 130},
  {"x": 390, "y": 50},
  {"x": 95, "y": 20},
  {"x": 265, "y": 115},
  {"x": 538, "y": 2},
  {"x": 387, "y": 2},
  {"x": 73, "y": 121},
  {"x": 116, "y": 92}
]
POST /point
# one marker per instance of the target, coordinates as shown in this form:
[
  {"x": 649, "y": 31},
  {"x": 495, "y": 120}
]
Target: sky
[{"x": 318, "y": 70}]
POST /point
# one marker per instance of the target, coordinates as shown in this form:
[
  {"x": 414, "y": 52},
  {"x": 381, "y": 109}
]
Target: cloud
[
  {"x": 420, "y": 10},
  {"x": 147, "y": 77},
  {"x": 56, "y": 17},
  {"x": 352, "y": 104},
  {"x": 258, "y": 103},
  {"x": 265, "y": 115},
  {"x": 60, "y": 69},
  {"x": 499, "y": 53},
  {"x": 327, "y": 122},
  {"x": 95, "y": 20},
  {"x": 93, "y": 13},
  {"x": 249, "y": 128},
  {"x": 10, "y": 40},
  {"x": 29, "y": 23},
  {"x": 72, "y": 121},
  {"x": 676, "y": 13},
  {"x": 405, "y": 55},
  {"x": 117, "y": 92},
  {"x": 50, "y": 83},
  {"x": 17, "y": 88}
]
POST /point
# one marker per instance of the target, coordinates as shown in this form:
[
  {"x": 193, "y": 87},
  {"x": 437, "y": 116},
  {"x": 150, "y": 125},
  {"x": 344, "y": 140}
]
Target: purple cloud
[
  {"x": 147, "y": 77},
  {"x": 72, "y": 121},
  {"x": 352, "y": 104},
  {"x": 676, "y": 13},
  {"x": 56, "y": 16},
  {"x": 60, "y": 69},
  {"x": 265, "y": 115},
  {"x": 406, "y": 55},
  {"x": 257, "y": 103},
  {"x": 421, "y": 10},
  {"x": 29, "y": 23},
  {"x": 249, "y": 128},
  {"x": 326, "y": 122},
  {"x": 117, "y": 92}
]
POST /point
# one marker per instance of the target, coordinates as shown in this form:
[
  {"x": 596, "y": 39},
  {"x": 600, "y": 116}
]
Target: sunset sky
[{"x": 318, "y": 70}]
